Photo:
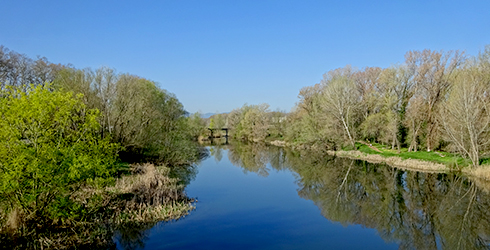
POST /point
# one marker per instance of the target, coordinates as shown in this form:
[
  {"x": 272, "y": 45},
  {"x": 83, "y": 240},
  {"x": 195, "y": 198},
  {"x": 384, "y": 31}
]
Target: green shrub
[{"x": 48, "y": 147}]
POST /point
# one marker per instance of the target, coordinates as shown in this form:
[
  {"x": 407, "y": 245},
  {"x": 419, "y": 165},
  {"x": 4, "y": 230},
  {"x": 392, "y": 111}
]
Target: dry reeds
[
  {"x": 278, "y": 143},
  {"x": 152, "y": 195},
  {"x": 480, "y": 176}
]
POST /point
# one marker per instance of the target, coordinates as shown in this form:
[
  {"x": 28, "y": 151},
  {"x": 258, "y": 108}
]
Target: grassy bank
[
  {"x": 449, "y": 160},
  {"x": 433, "y": 161},
  {"x": 394, "y": 161},
  {"x": 424, "y": 161}
]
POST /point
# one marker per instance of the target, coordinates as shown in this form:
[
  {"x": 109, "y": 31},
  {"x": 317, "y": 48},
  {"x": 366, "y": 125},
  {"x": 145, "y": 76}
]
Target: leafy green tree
[
  {"x": 250, "y": 122},
  {"x": 49, "y": 145},
  {"x": 196, "y": 125}
]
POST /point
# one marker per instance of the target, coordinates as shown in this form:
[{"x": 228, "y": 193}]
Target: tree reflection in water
[{"x": 417, "y": 210}]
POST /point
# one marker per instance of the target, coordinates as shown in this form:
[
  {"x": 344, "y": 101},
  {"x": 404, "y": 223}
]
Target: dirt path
[{"x": 370, "y": 146}]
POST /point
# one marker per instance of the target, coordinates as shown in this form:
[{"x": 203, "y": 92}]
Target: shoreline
[
  {"x": 393, "y": 161},
  {"x": 481, "y": 173}
]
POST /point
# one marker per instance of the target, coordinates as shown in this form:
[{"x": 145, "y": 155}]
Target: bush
[{"x": 48, "y": 147}]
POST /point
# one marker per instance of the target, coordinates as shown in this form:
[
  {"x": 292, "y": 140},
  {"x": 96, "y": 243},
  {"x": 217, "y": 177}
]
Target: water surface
[{"x": 258, "y": 197}]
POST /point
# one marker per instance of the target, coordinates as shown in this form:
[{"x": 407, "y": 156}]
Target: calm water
[{"x": 258, "y": 197}]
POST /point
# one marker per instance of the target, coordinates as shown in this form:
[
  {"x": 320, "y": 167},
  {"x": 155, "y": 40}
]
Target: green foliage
[
  {"x": 250, "y": 123},
  {"x": 196, "y": 125},
  {"x": 434, "y": 101},
  {"x": 48, "y": 146},
  {"x": 219, "y": 121}
]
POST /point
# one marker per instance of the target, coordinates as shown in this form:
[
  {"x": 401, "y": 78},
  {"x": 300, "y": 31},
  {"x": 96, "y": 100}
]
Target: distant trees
[
  {"x": 216, "y": 122},
  {"x": 277, "y": 124},
  {"x": 219, "y": 121},
  {"x": 249, "y": 122},
  {"x": 18, "y": 69},
  {"x": 256, "y": 123},
  {"x": 196, "y": 125}
]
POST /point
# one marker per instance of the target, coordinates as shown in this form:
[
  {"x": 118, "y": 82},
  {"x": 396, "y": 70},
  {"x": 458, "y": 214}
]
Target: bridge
[{"x": 214, "y": 129}]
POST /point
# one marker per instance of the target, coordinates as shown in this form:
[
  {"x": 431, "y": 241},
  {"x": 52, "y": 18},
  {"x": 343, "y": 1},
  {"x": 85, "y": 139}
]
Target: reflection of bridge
[{"x": 213, "y": 129}]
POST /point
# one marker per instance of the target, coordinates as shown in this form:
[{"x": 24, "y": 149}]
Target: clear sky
[{"x": 219, "y": 55}]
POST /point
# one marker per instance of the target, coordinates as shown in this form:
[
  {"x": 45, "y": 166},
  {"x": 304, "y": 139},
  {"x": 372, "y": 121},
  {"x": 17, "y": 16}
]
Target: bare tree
[
  {"x": 340, "y": 100},
  {"x": 465, "y": 116},
  {"x": 19, "y": 70},
  {"x": 432, "y": 74}
]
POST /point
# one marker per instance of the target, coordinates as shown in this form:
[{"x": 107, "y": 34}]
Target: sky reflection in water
[{"x": 240, "y": 209}]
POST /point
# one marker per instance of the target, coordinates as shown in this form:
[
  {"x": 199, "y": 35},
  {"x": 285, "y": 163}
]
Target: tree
[
  {"x": 432, "y": 74},
  {"x": 255, "y": 122},
  {"x": 197, "y": 125},
  {"x": 306, "y": 123},
  {"x": 340, "y": 100},
  {"x": 465, "y": 115},
  {"x": 250, "y": 122},
  {"x": 19, "y": 70},
  {"x": 219, "y": 121},
  {"x": 48, "y": 146},
  {"x": 398, "y": 89},
  {"x": 147, "y": 121},
  {"x": 277, "y": 124}
]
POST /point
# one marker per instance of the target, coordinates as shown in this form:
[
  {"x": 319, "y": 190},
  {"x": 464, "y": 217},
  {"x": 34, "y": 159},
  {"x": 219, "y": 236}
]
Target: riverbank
[
  {"x": 393, "y": 161},
  {"x": 434, "y": 162},
  {"x": 142, "y": 196}
]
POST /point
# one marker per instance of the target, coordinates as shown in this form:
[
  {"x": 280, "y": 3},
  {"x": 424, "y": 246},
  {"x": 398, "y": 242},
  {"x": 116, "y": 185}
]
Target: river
[{"x": 254, "y": 196}]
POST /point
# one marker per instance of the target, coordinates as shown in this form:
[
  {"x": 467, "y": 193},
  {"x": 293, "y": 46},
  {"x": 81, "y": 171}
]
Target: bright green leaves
[{"x": 48, "y": 144}]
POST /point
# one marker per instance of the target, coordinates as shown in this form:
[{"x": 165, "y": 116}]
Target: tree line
[
  {"x": 434, "y": 100},
  {"x": 146, "y": 121}
]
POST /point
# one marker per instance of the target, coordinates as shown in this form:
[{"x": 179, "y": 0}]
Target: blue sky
[{"x": 219, "y": 55}]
